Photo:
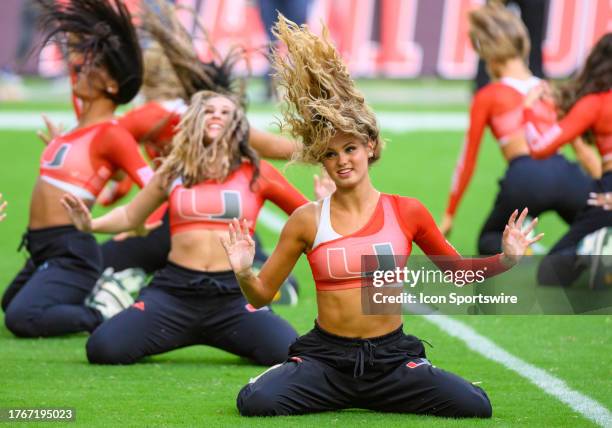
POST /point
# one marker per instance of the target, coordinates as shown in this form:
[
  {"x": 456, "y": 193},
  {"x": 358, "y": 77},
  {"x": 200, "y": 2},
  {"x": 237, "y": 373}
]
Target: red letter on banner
[
  {"x": 457, "y": 59},
  {"x": 562, "y": 45},
  {"x": 399, "y": 55},
  {"x": 602, "y": 21},
  {"x": 230, "y": 24},
  {"x": 350, "y": 25}
]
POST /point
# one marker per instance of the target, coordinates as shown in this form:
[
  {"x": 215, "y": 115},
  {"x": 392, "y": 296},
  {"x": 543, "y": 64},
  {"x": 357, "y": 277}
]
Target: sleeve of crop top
[
  {"x": 118, "y": 190},
  {"x": 416, "y": 221},
  {"x": 118, "y": 147},
  {"x": 479, "y": 114},
  {"x": 277, "y": 189},
  {"x": 140, "y": 120},
  {"x": 152, "y": 125},
  {"x": 580, "y": 118}
]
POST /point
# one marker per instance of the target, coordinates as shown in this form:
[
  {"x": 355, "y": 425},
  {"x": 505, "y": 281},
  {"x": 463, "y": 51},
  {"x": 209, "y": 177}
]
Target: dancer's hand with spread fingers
[{"x": 515, "y": 240}]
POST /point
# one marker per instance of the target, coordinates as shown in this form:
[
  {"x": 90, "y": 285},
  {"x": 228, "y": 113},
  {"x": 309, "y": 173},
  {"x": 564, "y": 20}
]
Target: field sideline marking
[
  {"x": 580, "y": 403},
  {"x": 389, "y": 121}
]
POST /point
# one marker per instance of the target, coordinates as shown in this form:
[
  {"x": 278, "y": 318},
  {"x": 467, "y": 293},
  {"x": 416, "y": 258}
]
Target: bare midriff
[
  {"x": 200, "y": 250},
  {"x": 341, "y": 313},
  {"x": 517, "y": 146},
  {"x": 45, "y": 207}
]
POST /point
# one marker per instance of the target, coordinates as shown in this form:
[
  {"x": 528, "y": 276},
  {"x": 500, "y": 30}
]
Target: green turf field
[{"x": 198, "y": 386}]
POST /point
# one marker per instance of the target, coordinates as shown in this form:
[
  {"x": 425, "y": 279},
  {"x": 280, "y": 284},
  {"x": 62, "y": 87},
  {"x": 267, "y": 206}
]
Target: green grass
[{"x": 198, "y": 385}]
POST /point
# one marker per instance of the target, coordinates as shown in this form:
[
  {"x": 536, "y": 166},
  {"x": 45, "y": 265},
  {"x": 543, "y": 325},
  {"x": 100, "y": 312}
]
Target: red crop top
[
  {"x": 83, "y": 160},
  {"x": 212, "y": 204},
  {"x": 498, "y": 105},
  {"x": 592, "y": 111},
  {"x": 154, "y": 123},
  {"x": 396, "y": 223}
]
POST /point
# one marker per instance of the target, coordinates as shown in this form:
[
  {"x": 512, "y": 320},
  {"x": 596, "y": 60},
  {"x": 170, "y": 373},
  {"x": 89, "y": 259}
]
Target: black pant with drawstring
[
  {"x": 183, "y": 307},
  {"x": 388, "y": 374}
]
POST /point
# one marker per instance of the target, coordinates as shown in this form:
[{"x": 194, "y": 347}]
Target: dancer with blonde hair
[
  {"x": 173, "y": 73},
  {"x": 350, "y": 359},
  {"x": 555, "y": 184},
  {"x": 211, "y": 176}
]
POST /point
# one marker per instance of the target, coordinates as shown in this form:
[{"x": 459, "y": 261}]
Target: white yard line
[
  {"x": 580, "y": 403},
  {"x": 550, "y": 384},
  {"x": 389, "y": 121}
]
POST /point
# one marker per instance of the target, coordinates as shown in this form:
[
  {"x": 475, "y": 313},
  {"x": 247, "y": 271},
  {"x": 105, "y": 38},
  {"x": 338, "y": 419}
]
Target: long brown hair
[
  {"x": 594, "y": 77},
  {"x": 498, "y": 35},
  {"x": 194, "y": 159},
  {"x": 191, "y": 159},
  {"x": 161, "y": 22},
  {"x": 159, "y": 81}
]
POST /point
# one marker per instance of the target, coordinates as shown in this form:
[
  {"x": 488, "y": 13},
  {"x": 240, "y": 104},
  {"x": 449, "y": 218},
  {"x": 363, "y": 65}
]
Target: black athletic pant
[
  {"x": 46, "y": 297},
  {"x": 17, "y": 283},
  {"x": 182, "y": 307},
  {"x": 150, "y": 252},
  {"x": 559, "y": 267},
  {"x": 552, "y": 184},
  {"x": 387, "y": 374}
]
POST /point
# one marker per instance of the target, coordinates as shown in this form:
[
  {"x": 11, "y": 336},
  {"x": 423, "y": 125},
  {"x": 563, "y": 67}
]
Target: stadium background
[
  {"x": 538, "y": 370},
  {"x": 394, "y": 38}
]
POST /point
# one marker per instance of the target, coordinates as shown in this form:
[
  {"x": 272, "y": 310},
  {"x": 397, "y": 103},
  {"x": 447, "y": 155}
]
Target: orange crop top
[
  {"x": 154, "y": 123},
  {"x": 212, "y": 204},
  {"x": 397, "y": 222},
  {"x": 83, "y": 160},
  {"x": 592, "y": 111},
  {"x": 498, "y": 105}
]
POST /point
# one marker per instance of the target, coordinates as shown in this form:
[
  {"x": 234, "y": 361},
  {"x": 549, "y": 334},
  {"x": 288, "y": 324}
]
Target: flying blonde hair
[
  {"x": 161, "y": 22},
  {"x": 320, "y": 97},
  {"x": 159, "y": 80},
  {"x": 497, "y": 34},
  {"x": 194, "y": 158}
]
